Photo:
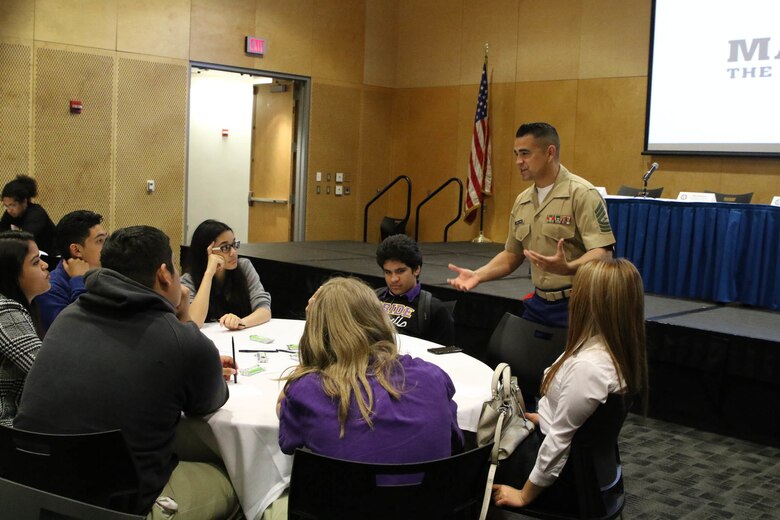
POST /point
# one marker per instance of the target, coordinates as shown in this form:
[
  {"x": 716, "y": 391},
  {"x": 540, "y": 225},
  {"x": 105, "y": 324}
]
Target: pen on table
[
  {"x": 233, "y": 344},
  {"x": 255, "y": 350}
]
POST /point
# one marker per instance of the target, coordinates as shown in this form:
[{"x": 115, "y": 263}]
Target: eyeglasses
[{"x": 225, "y": 248}]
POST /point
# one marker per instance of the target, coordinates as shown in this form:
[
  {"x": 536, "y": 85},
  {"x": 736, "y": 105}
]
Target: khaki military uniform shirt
[{"x": 573, "y": 210}]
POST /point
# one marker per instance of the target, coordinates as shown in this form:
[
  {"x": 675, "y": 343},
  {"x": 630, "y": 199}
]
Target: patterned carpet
[{"x": 676, "y": 472}]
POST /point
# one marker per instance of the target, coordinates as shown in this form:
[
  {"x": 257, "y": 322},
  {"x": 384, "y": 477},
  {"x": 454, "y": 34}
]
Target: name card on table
[
  {"x": 602, "y": 191},
  {"x": 695, "y": 196},
  {"x": 775, "y": 200}
]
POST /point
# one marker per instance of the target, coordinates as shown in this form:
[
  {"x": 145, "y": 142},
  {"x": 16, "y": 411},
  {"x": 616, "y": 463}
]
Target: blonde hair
[
  {"x": 608, "y": 300},
  {"x": 347, "y": 338}
]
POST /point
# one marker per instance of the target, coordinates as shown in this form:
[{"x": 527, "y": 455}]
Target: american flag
[{"x": 480, "y": 171}]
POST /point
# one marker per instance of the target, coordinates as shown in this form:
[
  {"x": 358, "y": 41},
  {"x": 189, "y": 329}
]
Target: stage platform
[{"x": 714, "y": 367}]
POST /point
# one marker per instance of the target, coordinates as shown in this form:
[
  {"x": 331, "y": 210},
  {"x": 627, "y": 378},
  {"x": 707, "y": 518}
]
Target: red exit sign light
[{"x": 255, "y": 46}]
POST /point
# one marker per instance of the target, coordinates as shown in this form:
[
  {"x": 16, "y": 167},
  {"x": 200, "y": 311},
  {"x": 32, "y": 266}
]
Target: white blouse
[{"x": 582, "y": 383}]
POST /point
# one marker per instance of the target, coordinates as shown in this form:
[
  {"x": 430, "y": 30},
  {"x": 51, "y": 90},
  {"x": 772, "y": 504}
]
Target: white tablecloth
[{"x": 246, "y": 429}]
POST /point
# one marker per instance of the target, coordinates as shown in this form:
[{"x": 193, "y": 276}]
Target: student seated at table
[
  {"x": 413, "y": 311},
  {"x": 223, "y": 287},
  {"x": 354, "y": 397},
  {"x": 21, "y": 214},
  {"x": 605, "y": 354},
  {"x": 126, "y": 356},
  {"x": 80, "y": 236},
  {"x": 23, "y": 276}
]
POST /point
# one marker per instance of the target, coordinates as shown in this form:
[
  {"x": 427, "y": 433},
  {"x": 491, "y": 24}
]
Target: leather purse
[{"x": 502, "y": 422}]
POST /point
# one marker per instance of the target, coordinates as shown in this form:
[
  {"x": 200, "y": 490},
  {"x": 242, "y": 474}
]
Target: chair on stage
[
  {"x": 593, "y": 471},
  {"x": 22, "y": 502},
  {"x": 529, "y": 348},
  {"x": 392, "y": 226},
  {"x": 741, "y": 198},
  {"x": 628, "y": 191},
  {"x": 94, "y": 468},
  {"x": 327, "y": 488}
]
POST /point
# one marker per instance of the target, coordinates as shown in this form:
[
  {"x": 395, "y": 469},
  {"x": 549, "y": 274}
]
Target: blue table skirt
[{"x": 720, "y": 252}]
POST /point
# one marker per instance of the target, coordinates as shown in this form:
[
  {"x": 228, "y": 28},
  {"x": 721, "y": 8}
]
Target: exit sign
[{"x": 255, "y": 46}]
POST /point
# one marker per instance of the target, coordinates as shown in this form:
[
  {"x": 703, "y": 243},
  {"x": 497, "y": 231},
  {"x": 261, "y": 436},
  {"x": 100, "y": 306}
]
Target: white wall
[{"x": 219, "y": 167}]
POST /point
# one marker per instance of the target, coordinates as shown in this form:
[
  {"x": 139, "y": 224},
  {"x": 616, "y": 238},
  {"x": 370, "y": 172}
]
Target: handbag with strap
[{"x": 503, "y": 423}]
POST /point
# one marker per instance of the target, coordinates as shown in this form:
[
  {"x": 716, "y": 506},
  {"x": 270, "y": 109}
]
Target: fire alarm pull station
[{"x": 225, "y": 132}]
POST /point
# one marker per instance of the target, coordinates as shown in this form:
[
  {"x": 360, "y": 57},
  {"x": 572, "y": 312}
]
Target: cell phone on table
[{"x": 452, "y": 349}]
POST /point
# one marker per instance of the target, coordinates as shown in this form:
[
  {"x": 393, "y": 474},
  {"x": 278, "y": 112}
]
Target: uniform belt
[{"x": 553, "y": 296}]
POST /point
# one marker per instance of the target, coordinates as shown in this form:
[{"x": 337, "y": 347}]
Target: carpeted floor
[{"x": 675, "y": 472}]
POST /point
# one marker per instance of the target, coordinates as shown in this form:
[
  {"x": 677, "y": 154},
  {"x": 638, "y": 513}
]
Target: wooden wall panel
[
  {"x": 86, "y": 23},
  {"x": 494, "y": 22},
  {"x": 287, "y": 27},
  {"x": 376, "y": 137},
  {"x": 615, "y": 38},
  {"x": 610, "y": 132},
  {"x": 218, "y": 29},
  {"x": 74, "y": 152},
  {"x": 763, "y": 175},
  {"x": 548, "y": 46},
  {"x": 430, "y": 127},
  {"x": 338, "y": 40},
  {"x": 429, "y": 42},
  {"x": 153, "y": 27},
  {"x": 151, "y": 143},
  {"x": 333, "y": 147},
  {"x": 381, "y": 43},
  {"x": 15, "y": 110},
  {"x": 17, "y": 19}
]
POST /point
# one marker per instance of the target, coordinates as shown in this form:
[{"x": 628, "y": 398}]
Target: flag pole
[{"x": 482, "y": 239}]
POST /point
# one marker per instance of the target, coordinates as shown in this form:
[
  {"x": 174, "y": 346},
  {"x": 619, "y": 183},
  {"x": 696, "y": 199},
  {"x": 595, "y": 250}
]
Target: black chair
[
  {"x": 326, "y": 488},
  {"x": 741, "y": 198},
  {"x": 94, "y": 468},
  {"x": 628, "y": 191},
  {"x": 22, "y": 502},
  {"x": 392, "y": 226},
  {"x": 529, "y": 348},
  {"x": 593, "y": 471}
]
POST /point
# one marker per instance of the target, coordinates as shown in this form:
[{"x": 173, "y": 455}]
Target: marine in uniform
[{"x": 558, "y": 224}]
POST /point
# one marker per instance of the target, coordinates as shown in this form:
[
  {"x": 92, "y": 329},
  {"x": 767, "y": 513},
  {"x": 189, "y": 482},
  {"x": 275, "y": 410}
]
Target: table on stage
[
  {"x": 721, "y": 252},
  {"x": 246, "y": 429}
]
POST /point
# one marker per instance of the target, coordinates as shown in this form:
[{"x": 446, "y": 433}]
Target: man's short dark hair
[
  {"x": 74, "y": 228},
  {"x": 544, "y": 131},
  {"x": 401, "y": 248},
  {"x": 137, "y": 252}
]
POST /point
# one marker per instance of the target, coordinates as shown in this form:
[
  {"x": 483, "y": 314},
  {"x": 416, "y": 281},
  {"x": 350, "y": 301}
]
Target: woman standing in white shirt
[{"x": 605, "y": 354}]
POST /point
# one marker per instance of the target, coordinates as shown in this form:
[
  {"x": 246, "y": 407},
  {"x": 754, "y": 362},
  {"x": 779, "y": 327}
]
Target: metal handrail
[
  {"x": 408, "y": 202},
  {"x": 429, "y": 197}
]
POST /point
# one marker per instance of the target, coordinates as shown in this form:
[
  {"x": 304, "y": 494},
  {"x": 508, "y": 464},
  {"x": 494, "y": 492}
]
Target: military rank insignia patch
[
  {"x": 602, "y": 218},
  {"x": 559, "y": 219}
]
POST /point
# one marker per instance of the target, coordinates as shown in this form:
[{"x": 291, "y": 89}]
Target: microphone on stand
[
  {"x": 646, "y": 177},
  {"x": 653, "y": 167}
]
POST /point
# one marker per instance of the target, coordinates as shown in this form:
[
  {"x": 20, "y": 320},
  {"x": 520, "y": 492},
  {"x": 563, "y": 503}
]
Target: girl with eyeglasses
[{"x": 223, "y": 287}]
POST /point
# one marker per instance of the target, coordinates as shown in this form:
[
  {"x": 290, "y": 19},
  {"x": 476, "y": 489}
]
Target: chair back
[
  {"x": 22, "y": 502},
  {"x": 593, "y": 468},
  {"x": 95, "y": 468},
  {"x": 327, "y": 488},
  {"x": 741, "y": 198},
  {"x": 529, "y": 348},
  {"x": 392, "y": 226},
  {"x": 628, "y": 191}
]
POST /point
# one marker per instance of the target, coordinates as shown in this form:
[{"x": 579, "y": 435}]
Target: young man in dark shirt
[{"x": 413, "y": 311}]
